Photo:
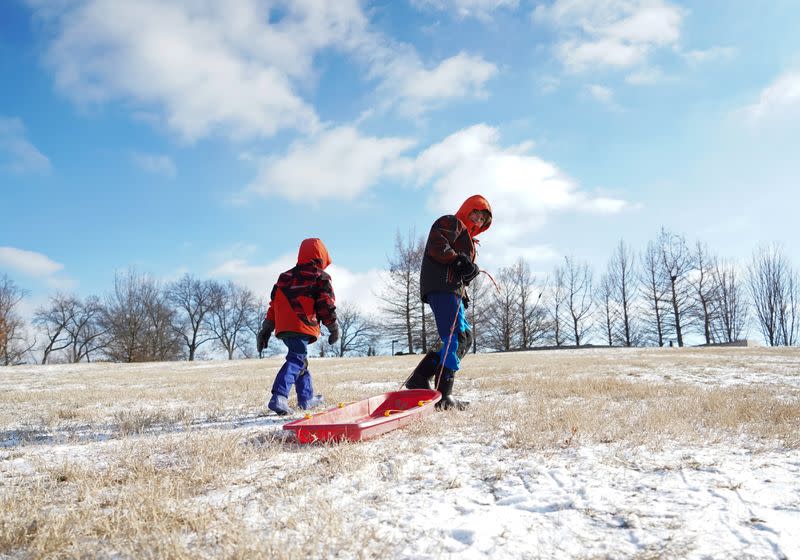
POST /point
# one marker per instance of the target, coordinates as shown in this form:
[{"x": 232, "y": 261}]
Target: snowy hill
[{"x": 610, "y": 453}]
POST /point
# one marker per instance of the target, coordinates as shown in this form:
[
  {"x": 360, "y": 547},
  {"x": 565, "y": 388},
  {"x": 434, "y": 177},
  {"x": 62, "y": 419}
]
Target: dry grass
[
  {"x": 151, "y": 461},
  {"x": 553, "y": 402}
]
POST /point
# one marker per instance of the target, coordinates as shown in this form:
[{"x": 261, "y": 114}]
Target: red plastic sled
[{"x": 367, "y": 418}]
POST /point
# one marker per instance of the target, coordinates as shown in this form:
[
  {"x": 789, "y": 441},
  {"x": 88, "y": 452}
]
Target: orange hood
[
  {"x": 312, "y": 250},
  {"x": 475, "y": 202}
]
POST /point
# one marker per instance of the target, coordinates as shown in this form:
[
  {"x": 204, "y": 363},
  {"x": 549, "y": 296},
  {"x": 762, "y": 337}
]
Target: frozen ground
[{"x": 451, "y": 487}]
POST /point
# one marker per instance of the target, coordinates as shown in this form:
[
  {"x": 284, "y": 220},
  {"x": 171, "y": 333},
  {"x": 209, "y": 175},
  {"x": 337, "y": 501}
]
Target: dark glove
[
  {"x": 465, "y": 268},
  {"x": 262, "y": 339},
  {"x": 465, "y": 301},
  {"x": 333, "y": 336}
]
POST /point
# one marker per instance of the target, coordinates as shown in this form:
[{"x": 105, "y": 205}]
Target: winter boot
[
  {"x": 422, "y": 378},
  {"x": 446, "y": 388},
  {"x": 313, "y": 402},
  {"x": 279, "y": 404}
]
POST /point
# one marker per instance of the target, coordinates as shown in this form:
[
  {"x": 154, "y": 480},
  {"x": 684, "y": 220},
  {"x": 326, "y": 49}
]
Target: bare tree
[
  {"x": 502, "y": 325},
  {"x": 774, "y": 288},
  {"x": 557, "y": 305},
  {"x": 622, "y": 276},
  {"x": 13, "y": 344},
  {"x": 578, "y": 282},
  {"x": 357, "y": 332},
  {"x": 656, "y": 294},
  {"x": 53, "y": 321},
  {"x": 607, "y": 307},
  {"x": 705, "y": 290},
  {"x": 677, "y": 264},
  {"x": 162, "y": 342},
  {"x": 192, "y": 300},
  {"x": 86, "y": 332},
  {"x": 254, "y": 321},
  {"x": 124, "y": 318},
  {"x": 730, "y": 304},
  {"x": 405, "y": 314},
  {"x": 790, "y": 311},
  {"x": 231, "y": 312},
  {"x": 479, "y": 309},
  {"x": 138, "y": 321},
  {"x": 531, "y": 316}
]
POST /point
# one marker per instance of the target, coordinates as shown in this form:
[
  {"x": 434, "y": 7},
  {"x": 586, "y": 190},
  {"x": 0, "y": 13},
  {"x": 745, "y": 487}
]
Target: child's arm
[
  {"x": 267, "y": 326},
  {"x": 441, "y": 238},
  {"x": 270, "y": 311},
  {"x": 325, "y": 304},
  {"x": 325, "y": 307}
]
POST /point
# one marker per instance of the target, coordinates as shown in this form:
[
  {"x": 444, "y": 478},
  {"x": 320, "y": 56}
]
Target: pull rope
[
  {"x": 390, "y": 411},
  {"x": 496, "y": 287},
  {"x": 459, "y": 298}
]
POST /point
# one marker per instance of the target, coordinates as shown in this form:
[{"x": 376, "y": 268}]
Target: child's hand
[
  {"x": 263, "y": 335},
  {"x": 465, "y": 268},
  {"x": 333, "y": 337}
]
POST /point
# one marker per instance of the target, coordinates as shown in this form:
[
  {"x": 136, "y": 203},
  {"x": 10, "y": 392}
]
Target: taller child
[
  {"x": 301, "y": 299},
  {"x": 448, "y": 266}
]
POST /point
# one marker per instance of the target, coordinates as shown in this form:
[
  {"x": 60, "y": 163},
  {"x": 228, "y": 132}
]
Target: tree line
[
  {"x": 142, "y": 320},
  {"x": 659, "y": 296}
]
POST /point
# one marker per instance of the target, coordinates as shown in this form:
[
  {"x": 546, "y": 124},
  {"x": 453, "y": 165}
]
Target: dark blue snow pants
[{"x": 295, "y": 371}]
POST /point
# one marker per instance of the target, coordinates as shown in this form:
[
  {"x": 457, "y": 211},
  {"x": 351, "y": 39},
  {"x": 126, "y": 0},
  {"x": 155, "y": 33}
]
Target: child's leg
[
  {"x": 447, "y": 309},
  {"x": 305, "y": 389},
  {"x": 294, "y": 365}
]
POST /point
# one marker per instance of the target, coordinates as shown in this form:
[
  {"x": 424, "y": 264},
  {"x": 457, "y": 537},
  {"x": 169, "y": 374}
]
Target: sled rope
[{"x": 496, "y": 287}]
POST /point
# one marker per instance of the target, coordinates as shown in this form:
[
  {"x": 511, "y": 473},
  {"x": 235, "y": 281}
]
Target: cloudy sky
[{"x": 211, "y": 137}]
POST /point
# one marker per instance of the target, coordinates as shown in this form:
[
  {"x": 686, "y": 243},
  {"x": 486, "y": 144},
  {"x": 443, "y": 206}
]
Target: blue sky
[{"x": 211, "y": 137}]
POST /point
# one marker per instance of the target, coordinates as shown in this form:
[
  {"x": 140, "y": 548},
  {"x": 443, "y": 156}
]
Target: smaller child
[{"x": 301, "y": 299}]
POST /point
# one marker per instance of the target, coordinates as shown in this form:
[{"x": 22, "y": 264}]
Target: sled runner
[{"x": 366, "y": 418}]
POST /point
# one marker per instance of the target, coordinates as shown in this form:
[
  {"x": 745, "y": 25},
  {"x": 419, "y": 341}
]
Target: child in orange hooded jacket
[
  {"x": 448, "y": 266},
  {"x": 301, "y": 299}
]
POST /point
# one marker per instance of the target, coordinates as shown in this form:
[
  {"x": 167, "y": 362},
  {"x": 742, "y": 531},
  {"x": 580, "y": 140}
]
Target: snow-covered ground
[{"x": 453, "y": 485}]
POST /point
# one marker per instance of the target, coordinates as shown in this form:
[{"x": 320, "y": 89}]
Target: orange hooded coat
[{"x": 303, "y": 296}]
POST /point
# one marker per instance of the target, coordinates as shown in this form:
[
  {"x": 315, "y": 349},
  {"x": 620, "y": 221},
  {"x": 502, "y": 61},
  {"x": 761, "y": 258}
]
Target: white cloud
[
  {"x": 613, "y": 33},
  {"x": 480, "y": 9},
  {"x": 778, "y": 100},
  {"x": 154, "y": 163},
  {"x": 548, "y": 84},
  {"x": 257, "y": 277},
  {"x": 601, "y": 93},
  {"x": 357, "y": 288},
  {"x": 645, "y": 76},
  {"x": 17, "y": 154},
  {"x": 709, "y": 55},
  {"x": 406, "y": 82},
  {"x": 234, "y": 68},
  {"x": 524, "y": 190},
  {"x": 347, "y": 285},
  {"x": 201, "y": 67},
  {"x": 417, "y": 89},
  {"x": 338, "y": 163},
  {"x": 29, "y": 263}
]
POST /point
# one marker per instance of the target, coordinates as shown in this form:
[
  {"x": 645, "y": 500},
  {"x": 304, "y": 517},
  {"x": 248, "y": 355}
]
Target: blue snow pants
[
  {"x": 445, "y": 306},
  {"x": 295, "y": 371}
]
